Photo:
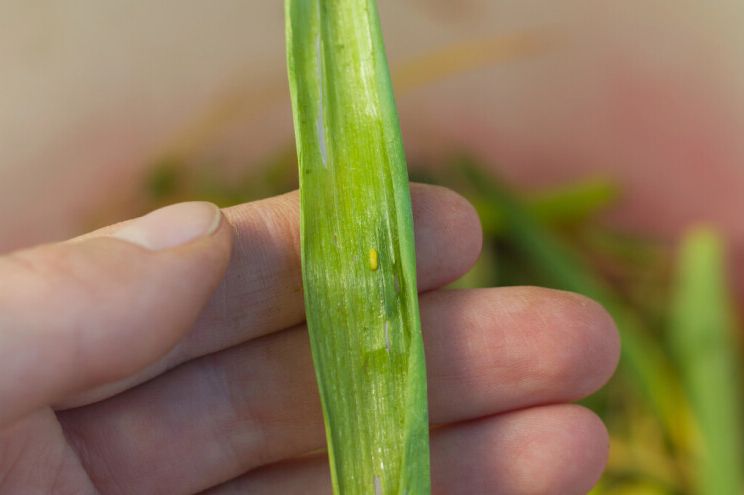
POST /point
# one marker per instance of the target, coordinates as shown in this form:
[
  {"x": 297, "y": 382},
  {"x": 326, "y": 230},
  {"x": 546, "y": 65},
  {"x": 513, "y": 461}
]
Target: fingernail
[{"x": 172, "y": 226}]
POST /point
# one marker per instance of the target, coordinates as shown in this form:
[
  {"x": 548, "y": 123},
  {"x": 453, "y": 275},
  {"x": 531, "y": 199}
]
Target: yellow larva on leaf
[{"x": 374, "y": 260}]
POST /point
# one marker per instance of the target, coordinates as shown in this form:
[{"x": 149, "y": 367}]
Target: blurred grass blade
[
  {"x": 702, "y": 336},
  {"x": 574, "y": 202},
  {"x": 568, "y": 204},
  {"x": 562, "y": 268},
  {"x": 357, "y": 249}
]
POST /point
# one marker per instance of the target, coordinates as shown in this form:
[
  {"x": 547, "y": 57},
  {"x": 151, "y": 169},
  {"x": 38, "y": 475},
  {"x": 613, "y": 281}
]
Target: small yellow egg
[{"x": 374, "y": 260}]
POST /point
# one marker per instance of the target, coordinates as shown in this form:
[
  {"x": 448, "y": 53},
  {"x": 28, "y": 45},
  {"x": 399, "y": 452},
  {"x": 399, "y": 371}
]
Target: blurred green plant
[
  {"x": 674, "y": 408},
  {"x": 703, "y": 341}
]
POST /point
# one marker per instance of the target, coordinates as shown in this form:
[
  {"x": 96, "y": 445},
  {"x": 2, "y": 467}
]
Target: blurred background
[{"x": 600, "y": 141}]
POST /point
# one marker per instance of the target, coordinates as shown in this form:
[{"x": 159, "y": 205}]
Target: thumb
[{"x": 96, "y": 309}]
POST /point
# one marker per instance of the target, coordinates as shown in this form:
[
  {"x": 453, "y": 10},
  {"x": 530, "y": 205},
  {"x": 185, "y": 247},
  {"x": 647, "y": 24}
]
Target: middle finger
[{"x": 488, "y": 351}]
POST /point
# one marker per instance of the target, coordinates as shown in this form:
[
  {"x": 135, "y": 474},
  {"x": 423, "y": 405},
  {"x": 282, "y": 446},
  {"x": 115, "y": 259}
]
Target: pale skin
[{"x": 177, "y": 362}]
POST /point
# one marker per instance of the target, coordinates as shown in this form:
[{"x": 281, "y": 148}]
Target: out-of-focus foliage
[
  {"x": 706, "y": 351},
  {"x": 673, "y": 409}
]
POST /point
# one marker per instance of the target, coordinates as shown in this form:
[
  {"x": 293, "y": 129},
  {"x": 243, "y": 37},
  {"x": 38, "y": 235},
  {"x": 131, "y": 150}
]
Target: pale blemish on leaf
[{"x": 320, "y": 124}]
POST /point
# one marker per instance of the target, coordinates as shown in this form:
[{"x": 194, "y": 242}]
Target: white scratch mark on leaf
[
  {"x": 320, "y": 124},
  {"x": 378, "y": 486}
]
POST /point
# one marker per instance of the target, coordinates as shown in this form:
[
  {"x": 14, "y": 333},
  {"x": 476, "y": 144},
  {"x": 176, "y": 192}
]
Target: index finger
[{"x": 262, "y": 290}]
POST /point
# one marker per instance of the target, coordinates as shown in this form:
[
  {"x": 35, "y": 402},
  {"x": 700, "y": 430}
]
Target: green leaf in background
[
  {"x": 573, "y": 203},
  {"x": 561, "y": 267},
  {"x": 702, "y": 336},
  {"x": 358, "y": 255},
  {"x": 568, "y": 204}
]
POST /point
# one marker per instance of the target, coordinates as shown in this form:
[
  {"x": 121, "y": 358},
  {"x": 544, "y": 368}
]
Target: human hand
[{"x": 144, "y": 358}]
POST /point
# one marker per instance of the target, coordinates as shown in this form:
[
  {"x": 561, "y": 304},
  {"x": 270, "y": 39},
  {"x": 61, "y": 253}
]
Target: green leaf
[
  {"x": 561, "y": 267},
  {"x": 573, "y": 203},
  {"x": 702, "y": 336},
  {"x": 358, "y": 256}
]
